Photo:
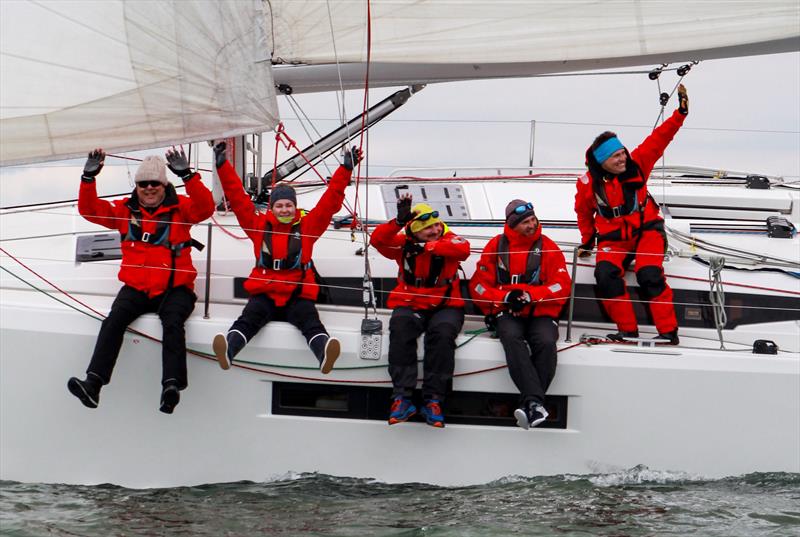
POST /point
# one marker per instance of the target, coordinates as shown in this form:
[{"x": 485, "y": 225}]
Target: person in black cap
[
  {"x": 521, "y": 282},
  {"x": 282, "y": 284}
]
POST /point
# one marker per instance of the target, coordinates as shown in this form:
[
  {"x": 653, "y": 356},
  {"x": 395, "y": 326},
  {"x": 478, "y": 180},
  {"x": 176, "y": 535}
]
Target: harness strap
[{"x": 533, "y": 265}]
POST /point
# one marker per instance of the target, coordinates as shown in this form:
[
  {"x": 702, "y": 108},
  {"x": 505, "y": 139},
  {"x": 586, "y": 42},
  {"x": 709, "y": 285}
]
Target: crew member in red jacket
[
  {"x": 156, "y": 266},
  {"x": 282, "y": 284},
  {"x": 615, "y": 209},
  {"x": 521, "y": 281},
  {"x": 427, "y": 299}
]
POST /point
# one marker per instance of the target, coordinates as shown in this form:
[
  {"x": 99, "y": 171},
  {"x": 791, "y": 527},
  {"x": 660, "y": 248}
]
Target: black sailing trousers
[
  {"x": 441, "y": 327},
  {"x": 530, "y": 346},
  {"x": 172, "y": 307},
  {"x": 300, "y": 312}
]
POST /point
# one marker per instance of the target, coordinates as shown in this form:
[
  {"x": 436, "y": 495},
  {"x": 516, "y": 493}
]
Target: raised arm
[
  {"x": 651, "y": 149},
  {"x": 200, "y": 204},
  {"x": 449, "y": 245},
  {"x": 242, "y": 206},
  {"x": 387, "y": 239},
  {"x": 90, "y": 206}
]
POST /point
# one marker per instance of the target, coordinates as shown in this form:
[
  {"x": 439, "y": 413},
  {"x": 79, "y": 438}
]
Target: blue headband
[{"x": 606, "y": 149}]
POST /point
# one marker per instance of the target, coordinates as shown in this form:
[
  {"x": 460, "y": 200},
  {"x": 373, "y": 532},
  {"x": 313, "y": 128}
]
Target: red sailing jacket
[
  {"x": 281, "y": 284},
  {"x": 146, "y": 266},
  {"x": 450, "y": 250},
  {"x": 547, "y": 298},
  {"x": 640, "y": 164}
]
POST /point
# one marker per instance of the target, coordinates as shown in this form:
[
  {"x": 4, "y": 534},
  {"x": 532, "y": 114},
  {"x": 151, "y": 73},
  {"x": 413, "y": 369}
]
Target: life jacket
[
  {"x": 158, "y": 238},
  {"x": 294, "y": 250},
  {"x": 533, "y": 266},
  {"x": 629, "y": 206},
  {"x": 161, "y": 235},
  {"x": 433, "y": 279}
]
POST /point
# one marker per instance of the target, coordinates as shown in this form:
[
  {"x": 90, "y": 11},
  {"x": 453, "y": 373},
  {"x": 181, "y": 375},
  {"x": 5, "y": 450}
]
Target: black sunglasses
[
  {"x": 428, "y": 216},
  {"x": 522, "y": 208},
  {"x": 145, "y": 184}
]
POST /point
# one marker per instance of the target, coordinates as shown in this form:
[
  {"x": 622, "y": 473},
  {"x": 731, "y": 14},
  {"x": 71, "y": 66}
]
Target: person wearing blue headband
[{"x": 615, "y": 210}]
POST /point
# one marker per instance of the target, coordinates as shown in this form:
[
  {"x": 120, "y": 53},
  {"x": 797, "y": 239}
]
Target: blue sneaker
[
  {"x": 402, "y": 409},
  {"x": 433, "y": 413}
]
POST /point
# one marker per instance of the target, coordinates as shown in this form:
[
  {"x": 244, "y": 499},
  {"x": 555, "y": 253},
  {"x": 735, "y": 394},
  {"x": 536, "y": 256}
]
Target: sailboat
[{"x": 136, "y": 75}]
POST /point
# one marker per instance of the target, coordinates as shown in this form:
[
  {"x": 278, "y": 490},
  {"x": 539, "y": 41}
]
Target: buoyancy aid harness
[
  {"x": 629, "y": 206},
  {"x": 294, "y": 250},
  {"x": 160, "y": 237},
  {"x": 433, "y": 278},
  {"x": 533, "y": 266}
]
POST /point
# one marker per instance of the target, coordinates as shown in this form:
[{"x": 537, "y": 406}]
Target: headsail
[
  {"x": 130, "y": 75},
  {"x": 423, "y": 41}
]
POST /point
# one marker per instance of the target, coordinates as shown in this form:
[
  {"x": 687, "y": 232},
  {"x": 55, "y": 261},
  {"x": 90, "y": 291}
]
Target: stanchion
[
  {"x": 208, "y": 272},
  {"x": 572, "y": 295}
]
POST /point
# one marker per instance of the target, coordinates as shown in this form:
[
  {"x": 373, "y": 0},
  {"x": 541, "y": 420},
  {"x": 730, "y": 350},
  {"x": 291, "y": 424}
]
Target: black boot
[
  {"x": 226, "y": 346},
  {"x": 326, "y": 349},
  {"x": 670, "y": 338},
  {"x": 622, "y": 335},
  {"x": 88, "y": 390},
  {"x": 170, "y": 397}
]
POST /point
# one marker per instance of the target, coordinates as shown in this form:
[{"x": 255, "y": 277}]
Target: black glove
[
  {"x": 516, "y": 300},
  {"x": 585, "y": 249},
  {"x": 219, "y": 154},
  {"x": 351, "y": 158},
  {"x": 178, "y": 163},
  {"x": 404, "y": 214},
  {"x": 683, "y": 100},
  {"x": 413, "y": 248},
  {"x": 94, "y": 163}
]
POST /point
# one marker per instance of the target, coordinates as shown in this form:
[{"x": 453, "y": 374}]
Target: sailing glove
[
  {"x": 351, "y": 158},
  {"x": 585, "y": 249},
  {"x": 516, "y": 300},
  {"x": 683, "y": 100},
  {"x": 178, "y": 163},
  {"x": 219, "y": 154},
  {"x": 94, "y": 163},
  {"x": 404, "y": 214}
]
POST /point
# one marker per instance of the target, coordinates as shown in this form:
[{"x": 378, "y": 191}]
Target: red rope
[{"x": 237, "y": 237}]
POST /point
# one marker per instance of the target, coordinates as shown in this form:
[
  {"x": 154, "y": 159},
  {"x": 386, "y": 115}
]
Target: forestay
[{"x": 130, "y": 75}]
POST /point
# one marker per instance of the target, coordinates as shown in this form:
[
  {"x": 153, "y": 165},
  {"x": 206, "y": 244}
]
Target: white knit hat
[{"x": 152, "y": 168}]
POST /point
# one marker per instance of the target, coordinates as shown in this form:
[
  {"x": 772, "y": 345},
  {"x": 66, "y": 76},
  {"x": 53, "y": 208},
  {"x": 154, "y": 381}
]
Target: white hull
[{"x": 692, "y": 408}]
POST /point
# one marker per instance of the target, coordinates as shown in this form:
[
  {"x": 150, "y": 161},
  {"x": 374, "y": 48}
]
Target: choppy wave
[{"x": 632, "y": 502}]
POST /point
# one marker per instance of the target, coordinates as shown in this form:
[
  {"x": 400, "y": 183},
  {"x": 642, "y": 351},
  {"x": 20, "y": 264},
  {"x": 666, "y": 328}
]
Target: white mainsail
[
  {"x": 424, "y": 41},
  {"x": 133, "y": 74},
  {"x": 129, "y": 75}
]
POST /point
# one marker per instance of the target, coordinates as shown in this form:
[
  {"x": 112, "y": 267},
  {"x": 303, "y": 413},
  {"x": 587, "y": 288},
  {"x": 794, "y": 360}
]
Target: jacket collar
[{"x": 520, "y": 239}]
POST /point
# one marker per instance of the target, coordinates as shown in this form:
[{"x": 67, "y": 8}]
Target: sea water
[{"x": 637, "y": 502}]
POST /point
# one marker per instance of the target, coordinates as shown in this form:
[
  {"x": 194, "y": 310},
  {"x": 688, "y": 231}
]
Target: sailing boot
[
  {"x": 622, "y": 335},
  {"x": 226, "y": 346},
  {"x": 326, "y": 349},
  {"x": 530, "y": 415},
  {"x": 170, "y": 397},
  {"x": 88, "y": 390},
  {"x": 670, "y": 338},
  {"x": 433, "y": 413}
]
